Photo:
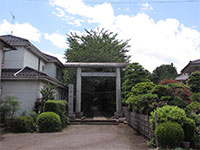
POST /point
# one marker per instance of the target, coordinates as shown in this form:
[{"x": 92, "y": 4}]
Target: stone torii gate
[{"x": 81, "y": 74}]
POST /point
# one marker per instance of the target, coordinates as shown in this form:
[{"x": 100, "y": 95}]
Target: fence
[{"x": 139, "y": 122}]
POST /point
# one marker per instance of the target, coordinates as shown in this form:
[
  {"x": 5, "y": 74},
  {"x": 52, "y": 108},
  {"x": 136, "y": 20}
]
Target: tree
[
  {"x": 95, "y": 46},
  {"x": 134, "y": 73},
  {"x": 164, "y": 72},
  {"x": 48, "y": 93},
  {"x": 194, "y": 82}
]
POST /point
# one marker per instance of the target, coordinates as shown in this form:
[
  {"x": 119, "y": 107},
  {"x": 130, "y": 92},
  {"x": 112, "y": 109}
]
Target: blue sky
[{"x": 161, "y": 31}]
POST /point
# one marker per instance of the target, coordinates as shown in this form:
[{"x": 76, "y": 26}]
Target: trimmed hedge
[
  {"x": 168, "y": 113},
  {"x": 189, "y": 129},
  {"x": 49, "y": 122},
  {"x": 169, "y": 134},
  {"x": 57, "y": 106},
  {"x": 23, "y": 124}
]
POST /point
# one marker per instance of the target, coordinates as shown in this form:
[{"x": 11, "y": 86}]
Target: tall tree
[
  {"x": 95, "y": 46},
  {"x": 164, "y": 72}
]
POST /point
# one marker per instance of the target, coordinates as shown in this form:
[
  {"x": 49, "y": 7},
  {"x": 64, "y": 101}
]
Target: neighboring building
[
  {"x": 192, "y": 66},
  {"x": 28, "y": 70},
  {"x": 4, "y": 47}
]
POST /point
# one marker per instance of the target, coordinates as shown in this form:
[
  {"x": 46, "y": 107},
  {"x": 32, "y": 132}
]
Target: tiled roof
[
  {"x": 182, "y": 77},
  {"x": 52, "y": 58},
  {"x": 6, "y": 44},
  {"x": 27, "y": 73},
  {"x": 194, "y": 62},
  {"x": 21, "y": 73},
  {"x": 191, "y": 63},
  {"x": 13, "y": 39}
]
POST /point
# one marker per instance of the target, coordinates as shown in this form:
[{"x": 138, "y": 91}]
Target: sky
[{"x": 160, "y": 31}]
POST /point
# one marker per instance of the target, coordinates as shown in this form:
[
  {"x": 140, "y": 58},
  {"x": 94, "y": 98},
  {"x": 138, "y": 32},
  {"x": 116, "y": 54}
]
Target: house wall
[
  {"x": 30, "y": 60},
  {"x": 51, "y": 70},
  {"x": 25, "y": 91},
  {"x": 14, "y": 59},
  {"x": 1, "y": 60}
]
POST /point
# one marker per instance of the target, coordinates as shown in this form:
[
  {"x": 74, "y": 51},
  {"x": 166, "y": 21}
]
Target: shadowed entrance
[{"x": 81, "y": 74}]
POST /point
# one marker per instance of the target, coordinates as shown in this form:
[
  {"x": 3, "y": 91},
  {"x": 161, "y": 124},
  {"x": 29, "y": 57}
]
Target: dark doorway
[{"x": 98, "y": 97}]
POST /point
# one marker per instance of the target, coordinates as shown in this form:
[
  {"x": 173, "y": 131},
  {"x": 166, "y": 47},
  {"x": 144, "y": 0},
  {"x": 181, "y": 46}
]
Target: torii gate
[{"x": 81, "y": 74}]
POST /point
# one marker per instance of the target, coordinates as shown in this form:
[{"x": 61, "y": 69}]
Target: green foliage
[
  {"x": 193, "y": 82},
  {"x": 57, "y": 106},
  {"x": 161, "y": 90},
  {"x": 49, "y": 122},
  {"x": 8, "y": 108},
  {"x": 23, "y": 124},
  {"x": 96, "y": 46},
  {"x": 169, "y": 134},
  {"x": 177, "y": 101},
  {"x": 164, "y": 72},
  {"x": 47, "y": 93},
  {"x": 193, "y": 107},
  {"x": 195, "y": 97},
  {"x": 134, "y": 73},
  {"x": 142, "y": 88},
  {"x": 189, "y": 129},
  {"x": 168, "y": 113}
]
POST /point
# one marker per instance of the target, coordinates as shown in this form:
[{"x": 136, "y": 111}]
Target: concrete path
[{"x": 77, "y": 137}]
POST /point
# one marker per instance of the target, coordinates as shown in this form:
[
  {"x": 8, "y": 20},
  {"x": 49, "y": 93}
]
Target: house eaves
[{"x": 29, "y": 74}]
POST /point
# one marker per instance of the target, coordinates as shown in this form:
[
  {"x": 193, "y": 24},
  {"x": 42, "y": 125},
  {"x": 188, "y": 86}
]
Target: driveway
[{"x": 77, "y": 137}]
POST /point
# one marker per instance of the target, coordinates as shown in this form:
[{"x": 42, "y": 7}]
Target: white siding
[
  {"x": 51, "y": 70},
  {"x": 1, "y": 59},
  {"x": 14, "y": 59},
  {"x": 42, "y": 66},
  {"x": 30, "y": 60},
  {"x": 25, "y": 91}
]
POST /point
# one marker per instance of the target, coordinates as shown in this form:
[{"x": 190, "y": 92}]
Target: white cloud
[
  {"x": 57, "y": 55},
  {"x": 146, "y": 6},
  {"x": 24, "y": 30},
  {"x": 153, "y": 43},
  {"x": 59, "y": 40}
]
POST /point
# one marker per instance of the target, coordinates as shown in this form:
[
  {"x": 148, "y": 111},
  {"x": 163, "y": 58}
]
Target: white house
[
  {"x": 27, "y": 70},
  {"x": 4, "y": 47}
]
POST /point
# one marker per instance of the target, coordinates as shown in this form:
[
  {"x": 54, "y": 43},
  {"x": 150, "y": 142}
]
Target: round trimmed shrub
[
  {"x": 49, "y": 122},
  {"x": 193, "y": 107},
  {"x": 23, "y": 124},
  {"x": 189, "y": 129},
  {"x": 168, "y": 113},
  {"x": 169, "y": 134}
]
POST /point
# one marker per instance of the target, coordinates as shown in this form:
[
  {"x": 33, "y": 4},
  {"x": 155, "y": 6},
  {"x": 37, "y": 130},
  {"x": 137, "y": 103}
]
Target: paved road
[{"x": 77, "y": 137}]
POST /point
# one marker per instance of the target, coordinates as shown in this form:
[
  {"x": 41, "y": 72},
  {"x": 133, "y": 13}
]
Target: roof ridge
[{"x": 13, "y": 36}]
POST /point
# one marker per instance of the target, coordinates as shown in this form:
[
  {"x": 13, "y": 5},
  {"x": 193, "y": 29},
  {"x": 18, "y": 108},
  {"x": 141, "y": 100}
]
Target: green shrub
[
  {"x": 57, "y": 106},
  {"x": 189, "y": 129},
  {"x": 49, "y": 122},
  {"x": 23, "y": 124},
  {"x": 177, "y": 101},
  {"x": 169, "y": 134},
  {"x": 161, "y": 90},
  {"x": 8, "y": 107},
  {"x": 168, "y": 113},
  {"x": 193, "y": 107},
  {"x": 142, "y": 88},
  {"x": 195, "y": 97},
  {"x": 144, "y": 104},
  {"x": 193, "y": 81}
]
